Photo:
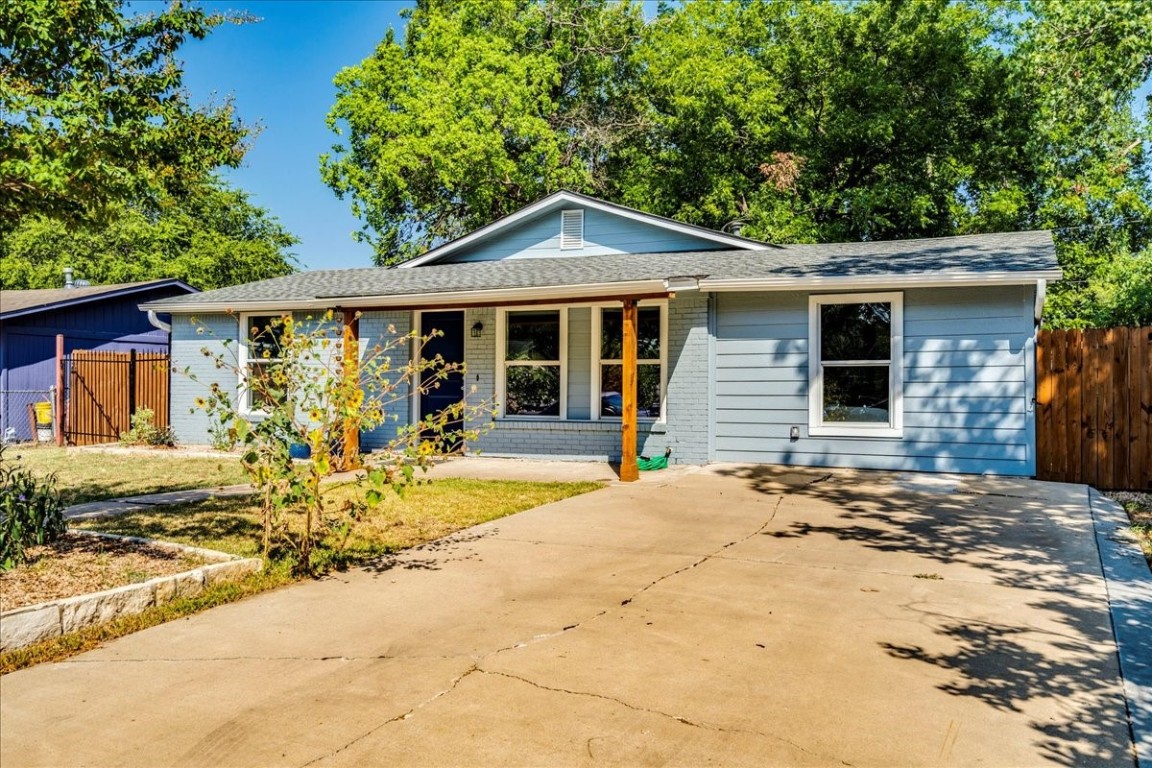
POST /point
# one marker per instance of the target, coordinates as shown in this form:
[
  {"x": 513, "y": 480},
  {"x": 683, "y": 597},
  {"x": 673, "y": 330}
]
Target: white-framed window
[
  {"x": 532, "y": 367},
  {"x": 651, "y": 361},
  {"x": 259, "y": 351},
  {"x": 855, "y": 364}
]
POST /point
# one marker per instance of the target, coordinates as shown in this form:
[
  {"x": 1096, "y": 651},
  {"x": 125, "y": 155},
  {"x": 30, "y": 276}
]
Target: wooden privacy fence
[
  {"x": 106, "y": 388},
  {"x": 1094, "y": 407}
]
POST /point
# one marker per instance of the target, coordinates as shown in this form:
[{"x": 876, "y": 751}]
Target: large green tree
[
  {"x": 484, "y": 106},
  {"x": 804, "y": 120},
  {"x": 92, "y": 111},
  {"x": 210, "y": 237}
]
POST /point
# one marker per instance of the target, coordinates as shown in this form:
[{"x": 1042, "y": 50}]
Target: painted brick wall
[
  {"x": 581, "y": 439},
  {"x": 386, "y": 331},
  {"x": 189, "y": 424}
]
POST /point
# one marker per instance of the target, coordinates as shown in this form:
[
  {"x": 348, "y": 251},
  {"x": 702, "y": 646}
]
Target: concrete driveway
[{"x": 730, "y": 616}]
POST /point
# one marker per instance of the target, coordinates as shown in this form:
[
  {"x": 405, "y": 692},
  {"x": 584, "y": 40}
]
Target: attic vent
[{"x": 571, "y": 230}]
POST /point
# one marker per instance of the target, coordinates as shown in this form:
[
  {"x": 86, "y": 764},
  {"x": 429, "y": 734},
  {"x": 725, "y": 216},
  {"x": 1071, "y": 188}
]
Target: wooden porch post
[
  {"x": 628, "y": 469},
  {"x": 351, "y": 454}
]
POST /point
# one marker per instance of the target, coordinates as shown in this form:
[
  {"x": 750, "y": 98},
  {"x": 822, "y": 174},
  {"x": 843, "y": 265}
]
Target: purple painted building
[{"x": 103, "y": 317}]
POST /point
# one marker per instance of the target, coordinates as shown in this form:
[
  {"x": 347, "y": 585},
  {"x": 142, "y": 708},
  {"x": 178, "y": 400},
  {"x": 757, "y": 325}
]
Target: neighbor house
[
  {"x": 911, "y": 355},
  {"x": 96, "y": 317}
]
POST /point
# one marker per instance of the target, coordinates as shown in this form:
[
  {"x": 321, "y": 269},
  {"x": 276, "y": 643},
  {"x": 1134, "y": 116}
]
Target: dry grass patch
[
  {"x": 91, "y": 474},
  {"x": 78, "y": 565},
  {"x": 1139, "y": 508},
  {"x": 423, "y": 513}
]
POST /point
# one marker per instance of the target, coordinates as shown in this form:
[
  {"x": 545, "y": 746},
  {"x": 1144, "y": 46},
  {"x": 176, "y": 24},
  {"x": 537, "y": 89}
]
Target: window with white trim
[
  {"x": 259, "y": 353},
  {"x": 533, "y": 366},
  {"x": 855, "y": 364},
  {"x": 608, "y": 370}
]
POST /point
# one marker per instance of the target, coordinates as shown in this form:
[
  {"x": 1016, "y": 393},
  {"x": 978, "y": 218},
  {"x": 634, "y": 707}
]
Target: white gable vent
[{"x": 571, "y": 230}]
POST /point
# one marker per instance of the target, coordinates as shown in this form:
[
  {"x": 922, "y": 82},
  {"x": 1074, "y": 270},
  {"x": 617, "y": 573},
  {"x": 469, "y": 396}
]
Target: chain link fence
[{"x": 18, "y": 415}]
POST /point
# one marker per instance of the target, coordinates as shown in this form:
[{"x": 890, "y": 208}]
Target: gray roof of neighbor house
[
  {"x": 1017, "y": 257},
  {"x": 23, "y": 302}
]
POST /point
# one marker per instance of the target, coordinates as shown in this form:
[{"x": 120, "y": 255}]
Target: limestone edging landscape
[{"x": 29, "y": 624}]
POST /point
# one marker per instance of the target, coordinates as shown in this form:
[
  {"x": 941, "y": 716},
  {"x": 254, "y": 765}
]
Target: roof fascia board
[
  {"x": 563, "y": 196},
  {"x": 119, "y": 292},
  {"x": 937, "y": 280}
]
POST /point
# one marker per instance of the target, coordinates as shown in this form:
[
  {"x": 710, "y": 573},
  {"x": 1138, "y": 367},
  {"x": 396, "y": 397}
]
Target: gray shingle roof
[
  {"x": 45, "y": 298},
  {"x": 967, "y": 255}
]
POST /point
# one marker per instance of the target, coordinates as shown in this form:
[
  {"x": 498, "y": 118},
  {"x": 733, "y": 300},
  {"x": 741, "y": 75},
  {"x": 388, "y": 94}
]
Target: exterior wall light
[{"x": 477, "y": 329}]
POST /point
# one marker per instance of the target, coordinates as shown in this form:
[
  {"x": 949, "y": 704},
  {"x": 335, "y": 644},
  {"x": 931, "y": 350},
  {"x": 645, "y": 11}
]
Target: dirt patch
[{"x": 78, "y": 564}]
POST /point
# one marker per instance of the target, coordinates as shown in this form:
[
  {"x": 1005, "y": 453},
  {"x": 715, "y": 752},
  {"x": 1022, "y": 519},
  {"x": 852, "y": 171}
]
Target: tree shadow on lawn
[{"x": 1067, "y": 666}]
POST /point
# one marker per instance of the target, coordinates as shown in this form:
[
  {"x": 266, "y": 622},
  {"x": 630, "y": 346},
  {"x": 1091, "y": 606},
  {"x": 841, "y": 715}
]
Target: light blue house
[{"x": 909, "y": 355}]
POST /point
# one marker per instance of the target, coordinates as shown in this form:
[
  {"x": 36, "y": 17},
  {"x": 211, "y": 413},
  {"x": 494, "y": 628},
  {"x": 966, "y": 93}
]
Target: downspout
[
  {"x": 158, "y": 323},
  {"x": 1038, "y": 307}
]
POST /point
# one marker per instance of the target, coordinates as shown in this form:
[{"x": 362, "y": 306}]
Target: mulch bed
[{"x": 77, "y": 565}]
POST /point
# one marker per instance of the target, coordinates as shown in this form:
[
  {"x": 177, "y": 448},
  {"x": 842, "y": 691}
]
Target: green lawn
[
  {"x": 425, "y": 512},
  {"x": 84, "y": 474}
]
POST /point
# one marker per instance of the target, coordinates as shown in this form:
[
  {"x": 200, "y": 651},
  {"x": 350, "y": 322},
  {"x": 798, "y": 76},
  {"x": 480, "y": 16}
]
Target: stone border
[
  {"x": 1129, "y": 585},
  {"x": 32, "y": 623}
]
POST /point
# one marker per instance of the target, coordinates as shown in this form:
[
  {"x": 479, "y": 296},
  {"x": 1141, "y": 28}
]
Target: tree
[
  {"x": 316, "y": 386},
  {"x": 804, "y": 120},
  {"x": 485, "y": 106},
  {"x": 93, "y": 112},
  {"x": 210, "y": 237}
]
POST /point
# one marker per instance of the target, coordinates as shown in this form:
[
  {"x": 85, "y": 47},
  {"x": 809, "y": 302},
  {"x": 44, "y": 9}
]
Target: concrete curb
[
  {"x": 23, "y": 626},
  {"x": 149, "y": 501},
  {"x": 1129, "y": 585}
]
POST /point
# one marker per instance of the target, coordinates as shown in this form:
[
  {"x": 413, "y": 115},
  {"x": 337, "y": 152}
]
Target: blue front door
[{"x": 450, "y": 347}]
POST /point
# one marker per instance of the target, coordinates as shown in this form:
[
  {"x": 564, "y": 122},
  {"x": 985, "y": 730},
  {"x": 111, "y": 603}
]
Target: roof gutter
[
  {"x": 847, "y": 282},
  {"x": 157, "y": 323}
]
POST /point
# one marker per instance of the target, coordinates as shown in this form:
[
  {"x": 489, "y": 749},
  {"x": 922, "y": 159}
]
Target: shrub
[
  {"x": 145, "y": 432},
  {"x": 30, "y": 512}
]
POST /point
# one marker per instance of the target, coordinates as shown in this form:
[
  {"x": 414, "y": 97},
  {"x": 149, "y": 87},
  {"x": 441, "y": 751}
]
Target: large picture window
[
  {"x": 608, "y": 367},
  {"x": 533, "y": 365},
  {"x": 259, "y": 353},
  {"x": 856, "y": 377}
]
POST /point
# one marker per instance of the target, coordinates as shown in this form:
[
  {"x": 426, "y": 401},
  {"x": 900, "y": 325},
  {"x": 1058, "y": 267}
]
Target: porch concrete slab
[
  {"x": 716, "y": 617},
  {"x": 499, "y": 468}
]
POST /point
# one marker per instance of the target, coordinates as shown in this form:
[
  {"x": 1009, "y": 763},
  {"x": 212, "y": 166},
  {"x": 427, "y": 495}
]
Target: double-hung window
[
  {"x": 533, "y": 367},
  {"x": 855, "y": 364},
  {"x": 608, "y": 368},
  {"x": 259, "y": 354}
]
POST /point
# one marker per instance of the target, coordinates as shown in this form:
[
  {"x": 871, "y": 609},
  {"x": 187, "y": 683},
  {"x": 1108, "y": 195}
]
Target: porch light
[{"x": 477, "y": 329}]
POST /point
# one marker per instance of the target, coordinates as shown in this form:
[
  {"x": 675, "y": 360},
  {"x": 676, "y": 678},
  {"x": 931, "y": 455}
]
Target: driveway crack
[
  {"x": 708, "y": 556},
  {"x": 397, "y": 718},
  {"x": 636, "y": 708}
]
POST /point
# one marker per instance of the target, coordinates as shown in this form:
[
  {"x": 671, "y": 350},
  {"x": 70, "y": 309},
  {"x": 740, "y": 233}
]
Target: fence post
[
  {"x": 131, "y": 386},
  {"x": 59, "y": 425}
]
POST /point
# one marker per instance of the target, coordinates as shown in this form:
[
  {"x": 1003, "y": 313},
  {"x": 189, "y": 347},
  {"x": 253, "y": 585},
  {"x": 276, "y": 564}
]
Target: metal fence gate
[{"x": 104, "y": 390}]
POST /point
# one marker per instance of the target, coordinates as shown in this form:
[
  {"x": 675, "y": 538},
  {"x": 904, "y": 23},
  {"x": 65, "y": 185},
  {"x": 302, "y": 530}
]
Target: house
[
  {"x": 909, "y": 355},
  {"x": 96, "y": 317}
]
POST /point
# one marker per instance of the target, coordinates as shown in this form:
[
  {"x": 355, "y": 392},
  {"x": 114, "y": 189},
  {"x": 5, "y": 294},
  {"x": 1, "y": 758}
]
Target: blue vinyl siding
[
  {"x": 604, "y": 234},
  {"x": 966, "y": 384}
]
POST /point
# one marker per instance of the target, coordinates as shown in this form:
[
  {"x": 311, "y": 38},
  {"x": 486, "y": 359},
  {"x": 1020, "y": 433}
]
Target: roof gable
[{"x": 549, "y": 228}]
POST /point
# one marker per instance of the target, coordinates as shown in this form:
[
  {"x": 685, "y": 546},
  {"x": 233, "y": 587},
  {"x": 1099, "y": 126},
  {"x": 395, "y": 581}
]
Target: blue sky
[{"x": 279, "y": 71}]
